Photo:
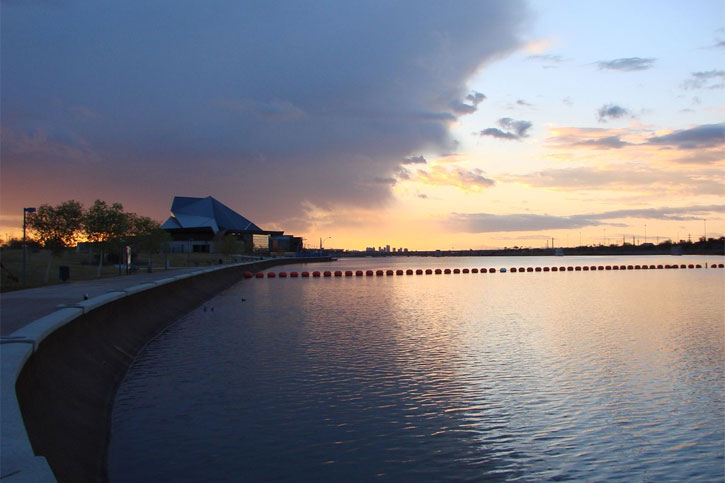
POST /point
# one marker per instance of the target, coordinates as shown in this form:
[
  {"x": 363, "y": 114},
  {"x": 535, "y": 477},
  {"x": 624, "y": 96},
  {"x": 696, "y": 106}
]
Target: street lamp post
[
  {"x": 25, "y": 248},
  {"x": 321, "y": 240}
]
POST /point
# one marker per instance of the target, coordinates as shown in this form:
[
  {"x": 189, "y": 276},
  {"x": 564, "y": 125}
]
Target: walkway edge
[{"x": 18, "y": 462}]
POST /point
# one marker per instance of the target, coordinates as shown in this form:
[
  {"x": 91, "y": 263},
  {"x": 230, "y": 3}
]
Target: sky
[{"x": 416, "y": 124}]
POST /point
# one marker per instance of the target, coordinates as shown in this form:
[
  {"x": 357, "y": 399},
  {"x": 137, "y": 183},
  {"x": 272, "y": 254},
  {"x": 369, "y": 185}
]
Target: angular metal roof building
[{"x": 204, "y": 214}]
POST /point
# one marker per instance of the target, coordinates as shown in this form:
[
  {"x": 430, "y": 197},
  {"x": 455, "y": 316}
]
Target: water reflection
[{"x": 582, "y": 376}]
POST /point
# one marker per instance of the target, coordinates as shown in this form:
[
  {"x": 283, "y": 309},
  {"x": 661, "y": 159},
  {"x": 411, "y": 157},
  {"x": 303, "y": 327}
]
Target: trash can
[{"x": 64, "y": 273}]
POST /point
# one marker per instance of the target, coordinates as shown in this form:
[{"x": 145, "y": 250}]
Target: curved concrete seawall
[{"x": 66, "y": 368}]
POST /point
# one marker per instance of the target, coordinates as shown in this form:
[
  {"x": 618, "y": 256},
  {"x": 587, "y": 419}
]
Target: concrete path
[{"x": 21, "y": 307}]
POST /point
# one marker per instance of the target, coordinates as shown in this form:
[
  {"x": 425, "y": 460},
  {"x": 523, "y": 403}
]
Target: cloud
[
  {"x": 497, "y": 133},
  {"x": 703, "y": 136},
  {"x": 711, "y": 79},
  {"x": 585, "y": 138},
  {"x": 612, "y": 111},
  {"x": 522, "y": 102},
  {"x": 414, "y": 160},
  {"x": 475, "y": 98},
  {"x": 630, "y": 177},
  {"x": 464, "y": 179},
  {"x": 487, "y": 222},
  {"x": 248, "y": 96},
  {"x": 515, "y": 130},
  {"x": 629, "y": 64},
  {"x": 274, "y": 110},
  {"x": 546, "y": 58}
]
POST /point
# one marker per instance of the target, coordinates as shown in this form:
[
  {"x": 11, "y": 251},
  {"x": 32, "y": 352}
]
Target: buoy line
[{"x": 448, "y": 271}]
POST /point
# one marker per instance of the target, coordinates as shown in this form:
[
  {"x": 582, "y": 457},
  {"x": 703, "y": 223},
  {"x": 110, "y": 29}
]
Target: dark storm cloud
[
  {"x": 487, "y": 222},
  {"x": 241, "y": 99},
  {"x": 704, "y": 136},
  {"x": 414, "y": 160},
  {"x": 514, "y": 130},
  {"x": 629, "y": 64},
  {"x": 612, "y": 111}
]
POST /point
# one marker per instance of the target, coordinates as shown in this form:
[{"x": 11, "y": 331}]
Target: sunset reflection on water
[{"x": 535, "y": 375}]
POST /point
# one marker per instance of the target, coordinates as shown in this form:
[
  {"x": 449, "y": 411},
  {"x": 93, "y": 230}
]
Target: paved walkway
[{"x": 21, "y": 307}]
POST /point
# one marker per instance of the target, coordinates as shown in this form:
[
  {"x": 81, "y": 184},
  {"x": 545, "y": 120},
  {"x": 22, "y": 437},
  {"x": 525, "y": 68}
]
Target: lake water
[{"x": 529, "y": 376}]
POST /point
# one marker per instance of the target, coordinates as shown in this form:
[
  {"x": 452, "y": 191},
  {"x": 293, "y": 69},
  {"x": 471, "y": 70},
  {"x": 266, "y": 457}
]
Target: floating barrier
[{"x": 448, "y": 271}]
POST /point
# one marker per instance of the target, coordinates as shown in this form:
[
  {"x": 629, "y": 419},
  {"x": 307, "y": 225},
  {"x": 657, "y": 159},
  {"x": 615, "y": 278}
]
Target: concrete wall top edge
[
  {"x": 19, "y": 463},
  {"x": 90, "y": 304},
  {"x": 139, "y": 288},
  {"x": 17, "y": 460},
  {"x": 44, "y": 326}
]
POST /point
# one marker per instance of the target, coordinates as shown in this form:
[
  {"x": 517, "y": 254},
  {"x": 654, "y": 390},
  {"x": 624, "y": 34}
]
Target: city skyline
[{"x": 420, "y": 125}]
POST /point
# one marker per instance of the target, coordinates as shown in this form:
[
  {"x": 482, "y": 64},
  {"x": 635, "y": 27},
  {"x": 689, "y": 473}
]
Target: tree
[
  {"x": 148, "y": 235},
  {"x": 104, "y": 224},
  {"x": 56, "y": 227},
  {"x": 228, "y": 244}
]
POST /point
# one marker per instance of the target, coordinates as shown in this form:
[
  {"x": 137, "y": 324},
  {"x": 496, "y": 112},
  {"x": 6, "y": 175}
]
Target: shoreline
[{"x": 64, "y": 369}]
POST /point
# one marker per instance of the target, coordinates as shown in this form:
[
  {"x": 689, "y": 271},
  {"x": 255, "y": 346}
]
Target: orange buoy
[
  {"x": 294, "y": 274},
  {"x": 720, "y": 265},
  {"x": 691, "y": 266},
  {"x": 652, "y": 267},
  {"x": 546, "y": 269},
  {"x": 409, "y": 271},
  {"x": 389, "y": 272},
  {"x": 259, "y": 275},
  {"x": 660, "y": 267},
  {"x": 419, "y": 271},
  {"x": 379, "y": 273},
  {"x": 282, "y": 274},
  {"x": 608, "y": 267},
  {"x": 578, "y": 268},
  {"x": 447, "y": 271},
  {"x": 428, "y": 271},
  {"x": 399, "y": 272},
  {"x": 316, "y": 273},
  {"x": 538, "y": 269},
  {"x": 554, "y": 269},
  {"x": 585, "y": 268},
  {"x": 522, "y": 269},
  {"x": 338, "y": 273},
  {"x": 248, "y": 275},
  {"x": 615, "y": 267},
  {"x": 348, "y": 273},
  {"x": 490, "y": 270},
  {"x": 569, "y": 269},
  {"x": 465, "y": 270},
  {"x": 358, "y": 273},
  {"x": 327, "y": 273},
  {"x": 271, "y": 275},
  {"x": 369, "y": 273},
  {"x": 698, "y": 266},
  {"x": 438, "y": 271},
  {"x": 305, "y": 274},
  {"x": 645, "y": 267},
  {"x": 456, "y": 270},
  {"x": 562, "y": 269},
  {"x": 630, "y": 267},
  {"x": 683, "y": 266},
  {"x": 474, "y": 270},
  {"x": 483, "y": 270},
  {"x": 512, "y": 270}
]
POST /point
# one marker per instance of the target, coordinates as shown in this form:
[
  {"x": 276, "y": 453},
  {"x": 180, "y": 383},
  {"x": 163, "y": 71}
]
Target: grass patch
[{"x": 82, "y": 269}]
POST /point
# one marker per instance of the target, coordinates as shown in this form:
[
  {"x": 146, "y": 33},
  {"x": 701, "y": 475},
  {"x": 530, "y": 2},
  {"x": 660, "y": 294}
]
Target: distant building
[{"x": 195, "y": 224}]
